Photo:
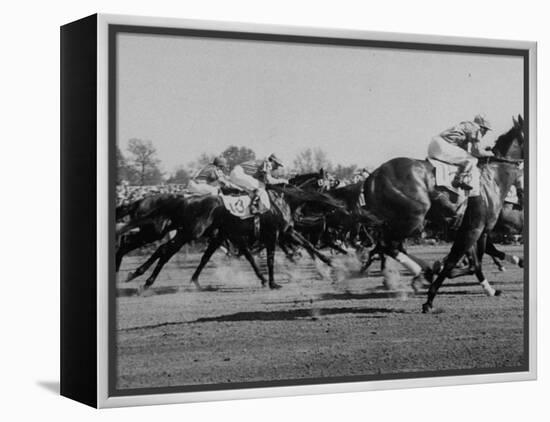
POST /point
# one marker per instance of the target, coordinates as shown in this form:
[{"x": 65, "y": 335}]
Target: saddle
[
  {"x": 512, "y": 196},
  {"x": 457, "y": 198},
  {"x": 445, "y": 174}
]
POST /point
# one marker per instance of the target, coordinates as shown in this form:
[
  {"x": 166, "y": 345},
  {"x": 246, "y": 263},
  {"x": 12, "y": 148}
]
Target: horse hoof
[
  {"x": 498, "y": 292},
  {"x": 129, "y": 277},
  {"x": 416, "y": 284},
  {"x": 426, "y": 308},
  {"x": 143, "y": 290},
  {"x": 274, "y": 286},
  {"x": 436, "y": 269},
  {"x": 520, "y": 263},
  {"x": 502, "y": 269},
  {"x": 197, "y": 285},
  {"x": 429, "y": 276}
]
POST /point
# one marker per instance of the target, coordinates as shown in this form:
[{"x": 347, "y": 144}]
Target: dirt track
[{"x": 337, "y": 325}]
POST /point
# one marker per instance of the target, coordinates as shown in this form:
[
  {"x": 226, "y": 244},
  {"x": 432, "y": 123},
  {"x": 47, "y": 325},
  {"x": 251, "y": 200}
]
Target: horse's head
[
  {"x": 310, "y": 181},
  {"x": 510, "y": 146}
]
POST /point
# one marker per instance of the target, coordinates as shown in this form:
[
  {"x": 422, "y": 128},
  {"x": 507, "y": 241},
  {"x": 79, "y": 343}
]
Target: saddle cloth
[
  {"x": 239, "y": 205},
  {"x": 445, "y": 174},
  {"x": 512, "y": 196}
]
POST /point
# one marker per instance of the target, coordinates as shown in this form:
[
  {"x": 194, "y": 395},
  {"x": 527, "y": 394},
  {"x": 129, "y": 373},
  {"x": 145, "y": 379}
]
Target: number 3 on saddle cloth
[
  {"x": 445, "y": 174},
  {"x": 239, "y": 205}
]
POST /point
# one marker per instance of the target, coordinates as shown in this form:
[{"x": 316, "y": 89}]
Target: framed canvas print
[{"x": 252, "y": 211}]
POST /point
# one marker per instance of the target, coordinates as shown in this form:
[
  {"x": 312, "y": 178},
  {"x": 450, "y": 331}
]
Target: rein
[{"x": 494, "y": 159}]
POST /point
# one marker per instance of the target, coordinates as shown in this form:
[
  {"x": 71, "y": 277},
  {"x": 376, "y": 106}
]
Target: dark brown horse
[
  {"x": 276, "y": 227},
  {"x": 498, "y": 174},
  {"x": 190, "y": 217},
  {"x": 145, "y": 221},
  {"x": 402, "y": 191}
]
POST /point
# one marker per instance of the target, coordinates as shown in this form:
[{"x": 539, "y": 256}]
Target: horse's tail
[{"x": 299, "y": 197}]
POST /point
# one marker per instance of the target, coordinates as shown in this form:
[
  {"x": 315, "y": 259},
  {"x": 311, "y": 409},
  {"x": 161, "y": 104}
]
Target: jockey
[
  {"x": 208, "y": 180},
  {"x": 253, "y": 175},
  {"x": 458, "y": 145}
]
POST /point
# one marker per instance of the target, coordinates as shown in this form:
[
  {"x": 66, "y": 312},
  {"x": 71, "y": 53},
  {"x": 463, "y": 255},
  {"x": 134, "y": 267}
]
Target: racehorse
[
  {"x": 190, "y": 217},
  {"x": 402, "y": 191},
  {"x": 153, "y": 217},
  {"x": 349, "y": 223},
  {"x": 197, "y": 218},
  {"x": 498, "y": 173},
  {"x": 276, "y": 227}
]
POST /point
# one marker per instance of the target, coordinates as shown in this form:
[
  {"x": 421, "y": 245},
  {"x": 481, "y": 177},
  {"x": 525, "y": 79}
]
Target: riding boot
[
  {"x": 463, "y": 178},
  {"x": 255, "y": 203}
]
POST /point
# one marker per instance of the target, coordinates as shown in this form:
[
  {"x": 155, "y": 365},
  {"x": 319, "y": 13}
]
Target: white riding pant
[
  {"x": 442, "y": 150},
  {"x": 202, "y": 188},
  {"x": 247, "y": 182}
]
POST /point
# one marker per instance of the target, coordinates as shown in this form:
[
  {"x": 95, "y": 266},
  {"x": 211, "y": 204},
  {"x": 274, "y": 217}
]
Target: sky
[{"x": 360, "y": 105}]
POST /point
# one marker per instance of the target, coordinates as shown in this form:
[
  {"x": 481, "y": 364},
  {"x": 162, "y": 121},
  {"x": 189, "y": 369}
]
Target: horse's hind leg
[
  {"x": 377, "y": 250},
  {"x": 396, "y": 251},
  {"x": 450, "y": 263},
  {"x": 271, "y": 263},
  {"x": 303, "y": 242},
  {"x": 253, "y": 264},
  {"x": 477, "y": 258},
  {"x": 132, "y": 241},
  {"x": 495, "y": 253},
  {"x": 213, "y": 245},
  {"x": 498, "y": 263},
  {"x": 167, "y": 251},
  {"x": 145, "y": 266}
]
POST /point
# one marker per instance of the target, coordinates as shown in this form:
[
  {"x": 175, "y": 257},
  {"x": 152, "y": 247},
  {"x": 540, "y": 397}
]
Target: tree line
[{"x": 140, "y": 165}]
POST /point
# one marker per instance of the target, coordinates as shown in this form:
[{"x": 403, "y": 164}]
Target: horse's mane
[
  {"x": 504, "y": 141},
  {"x": 297, "y": 196},
  {"x": 502, "y": 144}
]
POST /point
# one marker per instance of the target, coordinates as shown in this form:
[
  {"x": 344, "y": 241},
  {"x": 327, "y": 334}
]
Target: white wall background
[{"x": 30, "y": 208}]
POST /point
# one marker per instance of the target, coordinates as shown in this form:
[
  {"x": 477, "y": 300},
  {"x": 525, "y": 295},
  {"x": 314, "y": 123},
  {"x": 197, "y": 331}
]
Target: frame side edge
[{"x": 78, "y": 213}]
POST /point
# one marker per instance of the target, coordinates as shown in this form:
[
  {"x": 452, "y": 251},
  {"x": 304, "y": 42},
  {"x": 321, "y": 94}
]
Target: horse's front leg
[
  {"x": 465, "y": 242},
  {"x": 450, "y": 263},
  {"x": 270, "y": 247},
  {"x": 213, "y": 245},
  {"x": 246, "y": 252}
]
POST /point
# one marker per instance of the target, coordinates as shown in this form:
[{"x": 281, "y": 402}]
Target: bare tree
[
  {"x": 311, "y": 160},
  {"x": 235, "y": 155},
  {"x": 180, "y": 177},
  {"x": 144, "y": 162}
]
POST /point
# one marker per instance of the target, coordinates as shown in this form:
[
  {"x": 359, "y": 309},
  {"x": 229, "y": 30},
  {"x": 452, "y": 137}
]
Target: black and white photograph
[{"x": 294, "y": 210}]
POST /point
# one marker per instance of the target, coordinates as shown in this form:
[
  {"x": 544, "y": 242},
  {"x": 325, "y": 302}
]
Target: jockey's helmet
[
  {"x": 220, "y": 162},
  {"x": 482, "y": 122},
  {"x": 273, "y": 158}
]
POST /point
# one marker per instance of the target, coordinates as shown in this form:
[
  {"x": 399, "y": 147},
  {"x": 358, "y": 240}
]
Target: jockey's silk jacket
[
  {"x": 258, "y": 169},
  {"x": 463, "y": 134},
  {"x": 209, "y": 174}
]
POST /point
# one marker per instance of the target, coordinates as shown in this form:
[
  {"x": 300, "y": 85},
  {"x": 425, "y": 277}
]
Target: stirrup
[{"x": 459, "y": 182}]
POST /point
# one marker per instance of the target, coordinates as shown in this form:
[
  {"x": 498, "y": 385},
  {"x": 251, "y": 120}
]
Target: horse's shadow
[
  {"x": 297, "y": 314},
  {"x": 348, "y": 295}
]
